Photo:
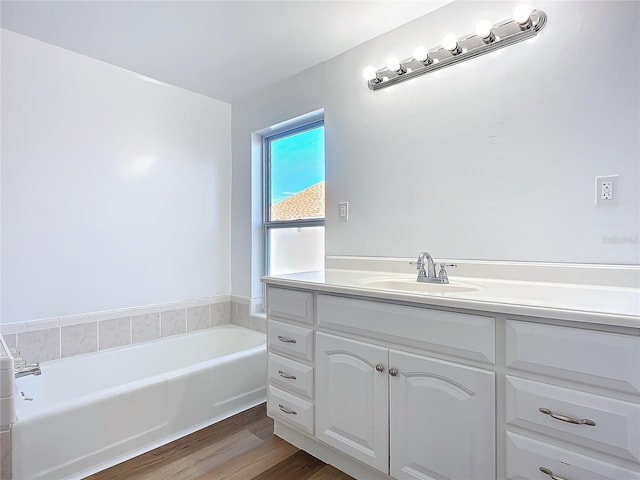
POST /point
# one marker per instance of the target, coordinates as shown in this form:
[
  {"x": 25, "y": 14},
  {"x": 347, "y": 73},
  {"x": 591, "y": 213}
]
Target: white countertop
[{"x": 577, "y": 302}]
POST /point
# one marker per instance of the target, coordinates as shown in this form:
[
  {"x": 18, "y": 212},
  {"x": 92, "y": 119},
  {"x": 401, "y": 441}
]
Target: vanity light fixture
[
  {"x": 483, "y": 30},
  {"x": 522, "y": 16},
  {"x": 394, "y": 65},
  {"x": 450, "y": 42},
  {"x": 421, "y": 55},
  {"x": 525, "y": 24},
  {"x": 371, "y": 76}
]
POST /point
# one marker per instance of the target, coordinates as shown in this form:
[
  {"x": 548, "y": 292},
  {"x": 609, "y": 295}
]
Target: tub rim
[{"x": 67, "y": 404}]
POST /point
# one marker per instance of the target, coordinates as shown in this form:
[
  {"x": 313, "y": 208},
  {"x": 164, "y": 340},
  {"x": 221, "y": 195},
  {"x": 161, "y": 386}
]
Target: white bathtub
[{"x": 93, "y": 411}]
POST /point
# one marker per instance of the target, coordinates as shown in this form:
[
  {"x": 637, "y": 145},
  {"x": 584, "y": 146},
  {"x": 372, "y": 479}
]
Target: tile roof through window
[{"x": 308, "y": 203}]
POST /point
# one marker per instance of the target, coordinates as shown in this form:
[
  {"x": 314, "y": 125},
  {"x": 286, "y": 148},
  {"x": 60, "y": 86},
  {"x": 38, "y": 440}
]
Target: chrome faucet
[
  {"x": 32, "y": 369},
  {"x": 429, "y": 275}
]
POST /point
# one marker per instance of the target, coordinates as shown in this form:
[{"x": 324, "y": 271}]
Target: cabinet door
[
  {"x": 352, "y": 406},
  {"x": 442, "y": 419}
]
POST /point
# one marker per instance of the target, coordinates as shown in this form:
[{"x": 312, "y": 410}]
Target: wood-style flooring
[{"x": 242, "y": 447}]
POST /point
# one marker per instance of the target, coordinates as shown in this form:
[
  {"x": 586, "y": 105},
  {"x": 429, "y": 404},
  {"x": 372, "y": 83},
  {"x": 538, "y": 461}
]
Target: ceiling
[{"x": 198, "y": 45}]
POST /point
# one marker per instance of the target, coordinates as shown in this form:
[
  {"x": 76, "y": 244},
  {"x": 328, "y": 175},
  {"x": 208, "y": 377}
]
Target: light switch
[{"x": 344, "y": 211}]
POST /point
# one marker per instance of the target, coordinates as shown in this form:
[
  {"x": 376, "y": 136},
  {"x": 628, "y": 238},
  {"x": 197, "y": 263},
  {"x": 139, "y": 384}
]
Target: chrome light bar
[{"x": 487, "y": 38}]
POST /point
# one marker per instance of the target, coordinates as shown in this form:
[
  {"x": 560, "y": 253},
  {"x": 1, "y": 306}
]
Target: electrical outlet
[{"x": 607, "y": 191}]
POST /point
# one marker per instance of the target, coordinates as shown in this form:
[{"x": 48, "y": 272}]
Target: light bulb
[
  {"x": 420, "y": 54},
  {"x": 393, "y": 64},
  {"x": 369, "y": 74},
  {"x": 450, "y": 42},
  {"x": 483, "y": 29},
  {"x": 522, "y": 15}
]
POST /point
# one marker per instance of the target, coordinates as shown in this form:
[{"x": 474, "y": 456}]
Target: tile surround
[
  {"x": 11, "y": 340},
  {"x": 198, "y": 318},
  {"x": 114, "y": 333},
  {"x": 145, "y": 328},
  {"x": 220, "y": 313},
  {"x": 12, "y": 328},
  {"x": 51, "y": 338},
  {"x": 5, "y": 455},
  {"x": 73, "y": 320},
  {"x": 7, "y": 403},
  {"x": 99, "y": 316},
  {"x": 241, "y": 315},
  {"x": 6, "y": 387},
  {"x": 40, "y": 345},
  {"x": 42, "y": 324},
  {"x": 78, "y": 339},
  {"x": 173, "y": 322}
]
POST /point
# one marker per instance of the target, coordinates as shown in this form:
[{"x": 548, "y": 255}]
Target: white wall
[
  {"x": 494, "y": 158},
  {"x": 115, "y": 190}
]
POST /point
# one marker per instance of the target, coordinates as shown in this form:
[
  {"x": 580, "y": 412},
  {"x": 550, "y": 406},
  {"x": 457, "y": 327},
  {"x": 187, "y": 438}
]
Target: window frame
[{"x": 267, "y": 223}]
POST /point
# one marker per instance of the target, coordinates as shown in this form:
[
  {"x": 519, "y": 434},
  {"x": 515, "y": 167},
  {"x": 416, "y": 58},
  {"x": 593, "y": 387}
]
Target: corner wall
[
  {"x": 491, "y": 159},
  {"x": 115, "y": 189},
  {"x": 7, "y": 410}
]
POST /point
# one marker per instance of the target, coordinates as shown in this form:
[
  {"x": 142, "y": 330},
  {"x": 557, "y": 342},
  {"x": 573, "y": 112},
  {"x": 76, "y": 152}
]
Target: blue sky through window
[{"x": 297, "y": 162}]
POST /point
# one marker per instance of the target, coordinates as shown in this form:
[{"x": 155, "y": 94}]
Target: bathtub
[{"x": 93, "y": 411}]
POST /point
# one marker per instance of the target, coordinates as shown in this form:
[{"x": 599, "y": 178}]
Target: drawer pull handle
[
  {"x": 546, "y": 471},
  {"x": 286, "y": 339},
  {"x": 563, "y": 418},
  {"x": 393, "y": 372},
  {"x": 286, "y": 375},
  {"x": 380, "y": 368},
  {"x": 287, "y": 411}
]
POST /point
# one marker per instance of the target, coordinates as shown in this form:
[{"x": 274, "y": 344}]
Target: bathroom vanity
[{"x": 388, "y": 382}]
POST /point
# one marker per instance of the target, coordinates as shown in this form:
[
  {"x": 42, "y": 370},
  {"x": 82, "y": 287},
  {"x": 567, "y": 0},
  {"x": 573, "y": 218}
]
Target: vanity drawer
[
  {"x": 291, "y": 409},
  {"x": 291, "y": 375},
  {"x": 617, "y": 423},
  {"x": 601, "y": 359},
  {"x": 525, "y": 458},
  {"x": 458, "y": 334},
  {"x": 290, "y": 304},
  {"x": 291, "y": 339}
]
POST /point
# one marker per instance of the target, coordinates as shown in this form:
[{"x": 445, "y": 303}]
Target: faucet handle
[
  {"x": 419, "y": 265},
  {"x": 442, "y": 275},
  {"x": 422, "y": 273}
]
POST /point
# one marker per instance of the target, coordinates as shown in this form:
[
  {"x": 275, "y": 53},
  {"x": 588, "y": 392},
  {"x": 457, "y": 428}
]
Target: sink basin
[{"x": 405, "y": 285}]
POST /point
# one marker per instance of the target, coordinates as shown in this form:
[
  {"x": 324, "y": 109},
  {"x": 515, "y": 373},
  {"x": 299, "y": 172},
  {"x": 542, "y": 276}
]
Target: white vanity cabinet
[
  {"x": 580, "y": 389},
  {"x": 353, "y": 398},
  {"x": 440, "y": 413},
  {"x": 405, "y": 414},
  {"x": 290, "y": 338},
  {"x": 386, "y": 389}
]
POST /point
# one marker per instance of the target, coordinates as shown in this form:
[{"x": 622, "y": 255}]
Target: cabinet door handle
[
  {"x": 286, "y": 375},
  {"x": 546, "y": 471},
  {"x": 287, "y": 411},
  {"x": 380, "y": 368},
  {"x": 393, "y": 372},
  {"x": 563, "y": 418},
  {"x": 286, "y": 339}
]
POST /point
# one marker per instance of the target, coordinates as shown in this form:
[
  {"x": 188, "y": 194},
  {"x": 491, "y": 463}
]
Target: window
[{"x": 294, "y": 200}]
